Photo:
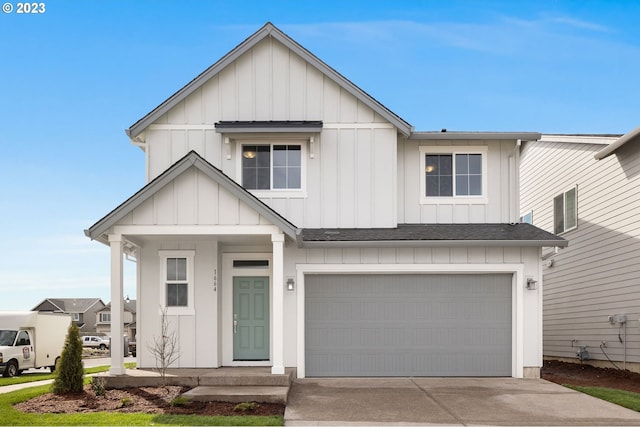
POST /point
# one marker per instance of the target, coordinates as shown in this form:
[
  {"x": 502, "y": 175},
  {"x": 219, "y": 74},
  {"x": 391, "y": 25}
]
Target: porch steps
[{"x": 242, "y": 385}]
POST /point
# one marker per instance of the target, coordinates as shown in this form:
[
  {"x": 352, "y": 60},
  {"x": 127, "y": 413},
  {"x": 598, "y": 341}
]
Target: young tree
[
  {"x": 165, "y": 347},
  {"x": 69, "y": 372}
]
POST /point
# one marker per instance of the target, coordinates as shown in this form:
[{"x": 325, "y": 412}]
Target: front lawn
[
  {"x": 10, "y": 416},
  {"x": 623, "y": 398}
]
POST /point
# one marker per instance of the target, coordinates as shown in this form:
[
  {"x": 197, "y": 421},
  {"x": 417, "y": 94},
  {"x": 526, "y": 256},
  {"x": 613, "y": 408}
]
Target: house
[
  {"x": 103, "y": 319},
  {"x": 585, "y": 188},
  {"x": 291, "y": 220},
  {"x": 82, "y": 310}
]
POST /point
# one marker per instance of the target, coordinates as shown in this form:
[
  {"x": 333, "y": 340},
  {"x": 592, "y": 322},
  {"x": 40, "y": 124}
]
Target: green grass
[
  {"x": 11, "y": 417},
  {"x": 623, "y": 398},
  {"x": 31, "y": 377}
]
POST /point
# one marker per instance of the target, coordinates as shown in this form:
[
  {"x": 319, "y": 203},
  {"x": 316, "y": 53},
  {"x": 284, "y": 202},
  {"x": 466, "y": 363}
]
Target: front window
[
  {"x": 177, "y": 292},
  {"x": 105, "y": 317},
  {"x": 452, "y": 173},
  {"x": 7, "y": 338},
  {"x": 272, "y": 167},
  {"x": 565, "y": 211}
]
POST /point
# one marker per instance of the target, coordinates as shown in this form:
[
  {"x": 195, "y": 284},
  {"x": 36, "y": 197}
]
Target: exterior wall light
[
  {"x": 531, "y": 283},
  {"x": 290, "y": 284}
]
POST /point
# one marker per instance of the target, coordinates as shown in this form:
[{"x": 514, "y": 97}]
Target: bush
[
  {"x": 98, "y": 385},
  {"x": 69, "y": 371}
]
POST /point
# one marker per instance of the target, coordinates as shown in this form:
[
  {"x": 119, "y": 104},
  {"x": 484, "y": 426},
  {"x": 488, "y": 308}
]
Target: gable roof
[
  {"x": 435, "y": 235},
  {"x": 70, "y": 305},
  {"x": 611, "y": 148},
  {"x": 129, "y": 306},
  {"x": 191, "y": 159},
  {"x": 268, "y": 30}
]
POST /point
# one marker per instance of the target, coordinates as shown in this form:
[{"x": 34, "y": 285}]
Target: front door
[{"x": 250, "y": 318}]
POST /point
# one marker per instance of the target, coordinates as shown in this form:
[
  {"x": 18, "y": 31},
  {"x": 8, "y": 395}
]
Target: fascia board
[
  {"x": 434, "y": 243},
  {"x": 611, "y": 148},
  {"x": 524, "y": 136}
]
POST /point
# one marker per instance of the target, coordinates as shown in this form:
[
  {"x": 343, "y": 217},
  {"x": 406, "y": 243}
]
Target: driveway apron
[{"x": 447, "y": 401}]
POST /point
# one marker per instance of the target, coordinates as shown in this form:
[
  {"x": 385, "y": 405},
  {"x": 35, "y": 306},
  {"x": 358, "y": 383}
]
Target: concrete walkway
[{"x": 447, "y": 401}]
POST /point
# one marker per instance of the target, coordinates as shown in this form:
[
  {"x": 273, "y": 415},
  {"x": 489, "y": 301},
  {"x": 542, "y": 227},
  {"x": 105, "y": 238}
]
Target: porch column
[
  {"x": 278, "y": 303},
  {"x": 117, "y": 325}
]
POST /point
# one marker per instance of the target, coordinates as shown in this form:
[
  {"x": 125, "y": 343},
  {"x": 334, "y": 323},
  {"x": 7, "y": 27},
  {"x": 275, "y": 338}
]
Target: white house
[
  {"x": 585, "y": 188},
  {"x": 291, "y": 220}
]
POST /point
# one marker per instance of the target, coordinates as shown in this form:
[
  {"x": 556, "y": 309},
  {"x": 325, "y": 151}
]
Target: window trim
[
  {"x": 271, "y": 141},
  {"x": 453, "y": 150},
  {"x": 75, "y": 317},
  {"x": 101, "y": 320},
  {"x": 189, "y": 309},
  {"x": 564, "y": 210}
]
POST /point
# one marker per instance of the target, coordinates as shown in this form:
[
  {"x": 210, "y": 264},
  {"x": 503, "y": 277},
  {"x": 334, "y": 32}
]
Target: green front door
[{"x": 250, "y": 318}]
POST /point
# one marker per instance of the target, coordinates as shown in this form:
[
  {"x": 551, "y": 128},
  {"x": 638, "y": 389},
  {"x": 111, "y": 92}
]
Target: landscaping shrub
[{"x": 69, "y": 372}]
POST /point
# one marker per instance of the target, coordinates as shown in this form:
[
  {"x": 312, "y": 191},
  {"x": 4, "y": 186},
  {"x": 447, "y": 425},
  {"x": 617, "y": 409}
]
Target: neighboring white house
[
  {"x": 291, "y": 220},
  {"x": 586, "y": 188}
]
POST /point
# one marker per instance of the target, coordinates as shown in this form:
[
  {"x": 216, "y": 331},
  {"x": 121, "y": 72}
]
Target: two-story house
[
  {"x": 586, "y": 189},
  {"x": 291, "y": 220},
  {"x": 103, "y": 319},
  {"x": 82, "y": 310}
]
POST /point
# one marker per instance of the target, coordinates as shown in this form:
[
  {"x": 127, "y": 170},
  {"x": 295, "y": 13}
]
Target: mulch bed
[
  {"x": 150, "y": 400},
  {"x": 587, "y": 375}
]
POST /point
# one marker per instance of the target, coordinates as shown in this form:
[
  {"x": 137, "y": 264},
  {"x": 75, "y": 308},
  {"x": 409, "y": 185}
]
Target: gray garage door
[{"x": 408, "y": 325}]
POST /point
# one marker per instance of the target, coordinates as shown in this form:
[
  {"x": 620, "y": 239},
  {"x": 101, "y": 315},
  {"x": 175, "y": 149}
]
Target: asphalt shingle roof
[{"x": 435, "y": 232}]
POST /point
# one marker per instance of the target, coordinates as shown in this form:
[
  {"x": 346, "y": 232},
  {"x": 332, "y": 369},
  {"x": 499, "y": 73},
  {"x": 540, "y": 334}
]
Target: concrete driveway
[{"x": 447, "y": 401}]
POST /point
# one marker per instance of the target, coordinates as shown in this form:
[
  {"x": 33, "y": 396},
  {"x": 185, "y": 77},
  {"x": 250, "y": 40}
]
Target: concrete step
[
  {"x": 247, "y": 377},
  {"x": 238, "y": 394}
]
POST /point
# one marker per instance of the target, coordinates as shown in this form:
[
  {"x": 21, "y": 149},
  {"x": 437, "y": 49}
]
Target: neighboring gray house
[
  {"x": 291, "y": 220},
  {"x": 103, "y": 319},
  {"x": 586, "y": 188},
  {"x": 82, "y": 310}
]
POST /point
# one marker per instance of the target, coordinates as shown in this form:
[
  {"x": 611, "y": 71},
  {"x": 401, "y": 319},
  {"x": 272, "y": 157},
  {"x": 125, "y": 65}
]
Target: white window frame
[
  {"x": 102, "y": 319},
  {"x": 271, "y": 141},
  {"x": 189, "y": 309},
  {"x": 564, "y": 211},
  {"x": 75, "y": 317},
  {"x": 481, "y": 199}
]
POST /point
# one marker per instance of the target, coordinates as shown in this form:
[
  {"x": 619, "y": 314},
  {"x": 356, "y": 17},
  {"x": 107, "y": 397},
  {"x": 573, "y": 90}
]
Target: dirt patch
[
  {"x": 150, "y": 400},
  {"x": 587, "y": 375}
]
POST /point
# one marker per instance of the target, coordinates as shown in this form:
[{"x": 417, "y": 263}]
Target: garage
[{"x": 408, "y": 325}]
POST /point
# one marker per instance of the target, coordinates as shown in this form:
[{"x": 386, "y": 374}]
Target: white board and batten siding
[
  {"x": 500, "y": 196},
  {"x": 351, "y": 170},
  {"x": 598, "y": 274}
]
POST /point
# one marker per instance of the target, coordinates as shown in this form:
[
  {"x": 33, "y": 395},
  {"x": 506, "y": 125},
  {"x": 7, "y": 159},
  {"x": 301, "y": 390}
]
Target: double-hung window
[
  {"x": 272, "y": 166},
  {"x": 105, "y": 317},
  {"x": 565, "y": 211},
  {"x": 177, "y": 281},
  {"x": 452, "y": 174}
]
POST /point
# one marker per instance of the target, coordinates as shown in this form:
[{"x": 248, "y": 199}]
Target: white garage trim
[{"x": 517, "y": 270}]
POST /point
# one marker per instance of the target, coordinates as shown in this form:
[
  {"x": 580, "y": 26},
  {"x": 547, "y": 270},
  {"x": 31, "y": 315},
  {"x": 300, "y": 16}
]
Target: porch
[{"x": 226, "y": 384}]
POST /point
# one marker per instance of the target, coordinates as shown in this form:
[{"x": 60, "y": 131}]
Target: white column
[
  {"x": 278, "y": 304},
  {"x": 117, "y": 325}
]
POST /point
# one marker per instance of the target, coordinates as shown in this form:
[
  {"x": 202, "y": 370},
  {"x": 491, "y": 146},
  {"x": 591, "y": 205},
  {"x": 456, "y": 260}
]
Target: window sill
[
  {"x": 279, "y": 194},
  {"x": 460, "y": 200}
]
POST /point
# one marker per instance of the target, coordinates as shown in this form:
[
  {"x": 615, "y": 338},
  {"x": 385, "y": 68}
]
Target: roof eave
[
  {"x": 611, "y": 148},
  {"x": 524, "y": 136},
  {"x": 432, "y": 243}
]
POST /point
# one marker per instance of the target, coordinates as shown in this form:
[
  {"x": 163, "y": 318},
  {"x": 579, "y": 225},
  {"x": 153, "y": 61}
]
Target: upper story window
[
  {"x": 75, "y": 317},
  {"x": 272, "y": 166},
  {"x": 527, "y": 218},
  {"x": 177, "y": 281},
  {"x": 105, "y": 317},
  {"x": 453, "y": 174},
  {"x": 565, "y": 211}
]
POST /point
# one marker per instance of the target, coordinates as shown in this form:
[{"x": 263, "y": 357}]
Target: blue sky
[{"x": 73, "y": 78}]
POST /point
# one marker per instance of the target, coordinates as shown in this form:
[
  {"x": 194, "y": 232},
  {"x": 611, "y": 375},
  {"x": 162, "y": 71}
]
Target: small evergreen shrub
[
  {"x": 69, "y": 371},
  {"x": 244, "y": 407},
  {"x": 179, "y": 401}
]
